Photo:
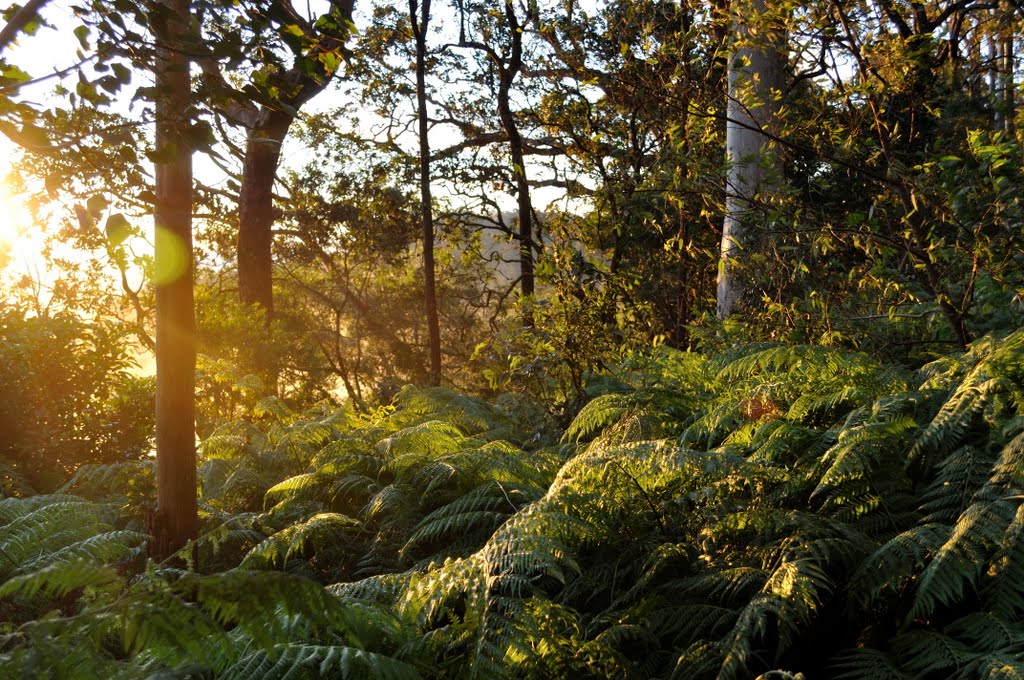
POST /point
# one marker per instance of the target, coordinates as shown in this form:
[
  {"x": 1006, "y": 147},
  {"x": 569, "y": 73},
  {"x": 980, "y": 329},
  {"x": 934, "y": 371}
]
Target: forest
[{"x": 512, "y": 339}]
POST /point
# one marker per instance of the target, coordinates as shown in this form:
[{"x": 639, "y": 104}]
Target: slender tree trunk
[
  {"x": 17, "y": 21},
  {"x": 995, "y": 76},
  {"x": 1007, "y": 95},
  {"x": 419, "y": 28},
  {"x": 756, "y": 73},
  {"x": 507, "y": 74},
  {"x": 974, "y": 56},
  {"x": 176, "y": 521}
]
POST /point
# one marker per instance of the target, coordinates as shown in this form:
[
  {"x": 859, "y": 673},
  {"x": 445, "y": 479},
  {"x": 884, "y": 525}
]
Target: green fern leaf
[
  {"x": 59, "y": 578},
  {"x": 295, "y": 661}
]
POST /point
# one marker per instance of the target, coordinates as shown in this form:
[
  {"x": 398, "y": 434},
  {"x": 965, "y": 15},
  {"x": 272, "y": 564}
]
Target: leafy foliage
[
  {"x": 67, "y": 398},
  {"x": 867, "y": 523}
]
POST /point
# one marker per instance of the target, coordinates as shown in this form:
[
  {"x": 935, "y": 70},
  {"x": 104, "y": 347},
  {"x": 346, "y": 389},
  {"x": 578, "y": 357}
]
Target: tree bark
[
  {"x": 176, "y": 521},
  {"x": 756, "y": 77},
  {"x": 256, "y": 208},
  {"x": 420, "y": 18},
  {"x": 1007, "y": 96},
  {"x": 506, "y": 76},
  {"x": 267, "y": 128},
  {"x": 19, "y": 20}
]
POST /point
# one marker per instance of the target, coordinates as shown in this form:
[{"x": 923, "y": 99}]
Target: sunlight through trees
[{"x": 520, "y": 339}]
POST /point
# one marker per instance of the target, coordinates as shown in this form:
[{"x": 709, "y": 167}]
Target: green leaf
[
  {"x": 82, "y": 33},
  {"x": 13, "y": 75},
  {"x": 118, "y": 229},
  {"x": 96, "y": 205}
]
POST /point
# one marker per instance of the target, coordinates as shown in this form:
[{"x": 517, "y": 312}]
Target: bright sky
[
  {"x": 41, "y": 54},
  {"x": 53, "y": 49},
  {"x": 17, "y": 245}
]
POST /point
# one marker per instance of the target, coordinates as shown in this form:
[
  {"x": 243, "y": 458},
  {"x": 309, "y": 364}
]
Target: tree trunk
[
  {"x": 419, "y": 28},
  {"x": 756, "y": 77},
  {"x": 1007, "y": 95},
  {"x": 506, "y": 76},
  {"x": 256, "y": 208},
  {"x": 176, "y": 521},
  {"x": 995, "y": 45},
  {"x": 268, "y": 126}
]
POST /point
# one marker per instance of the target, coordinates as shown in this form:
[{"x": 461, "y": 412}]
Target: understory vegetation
[
  {"x": 766, "y": 511},
  {"x": 541, "y": 339}
]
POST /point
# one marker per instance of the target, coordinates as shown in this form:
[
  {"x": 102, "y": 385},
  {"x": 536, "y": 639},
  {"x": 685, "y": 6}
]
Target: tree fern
[
  {"x": 475, "y": 514},
  {"x": 59, "y": 578},
  {"x": 296, "y": 661},
  {"x": 131, "y": 483},
  {"x": 316, "y": 535},
  {"x": 50, "y": 527},
  {"x": 868, "y": 664},
  {"x": 471, "y": 415}
]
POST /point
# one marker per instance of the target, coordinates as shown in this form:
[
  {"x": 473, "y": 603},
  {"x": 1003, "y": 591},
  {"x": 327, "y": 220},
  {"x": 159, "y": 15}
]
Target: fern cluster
[{"x": 768, "y": 512}]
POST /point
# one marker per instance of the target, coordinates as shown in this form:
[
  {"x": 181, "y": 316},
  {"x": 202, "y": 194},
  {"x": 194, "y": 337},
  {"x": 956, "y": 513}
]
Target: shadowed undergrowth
[{"x": 769, "y": 511}]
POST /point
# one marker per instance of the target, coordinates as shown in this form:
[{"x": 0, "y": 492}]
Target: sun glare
[
  {"x": 18, "y": 249},
  {"x": 14, "y": 218}
]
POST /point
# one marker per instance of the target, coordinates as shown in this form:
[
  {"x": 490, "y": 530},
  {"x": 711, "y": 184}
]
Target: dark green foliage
[
  {"x": 66, "y": 399},
  {"x": 769, "y": 512}
]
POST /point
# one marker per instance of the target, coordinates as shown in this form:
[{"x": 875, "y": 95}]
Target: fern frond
[
  {"x": 109, "y": 547},
  {"x": 316, "y": 533},
  {"x": 349, "y": 450},
  {"x": 859, "y": 450},
  {"x": 431, "y": 438},
  {"x": 700, "y": 660},
  {"x": 383, "y": 588},
  {"x": 959, "y": 417},
  {"x": 789, "y": 599},
  {"x": 957, "y": 479},
  {"x": 786, "y": 443},
  {"x": 443, "y": 591},
  {"x": 232, "y": 440},
  {"x": 686, "y": 623},
  {"x": 711, "y": 428},
  {"x": 59, "y": 578},
  {"x": 1004, "y": 589},
  {"x": 959, "y": 562},
  {"x": 469, "y": 414},
  {"x": 599, "y": 413},
  {"x": 307, "y": 486},
  {"x": 985, "y": 632},
  {"x": 273, "y": 408},
  {"x": 867, "y": 664},
  {"x": 47, "y": 529},
  {"x": 896, "y": 563},
  {"x": 827, "y": 408},
  {"x": 13, "y": 508},
  {"x": 296, "y": 661},
  {"x": 865, "y": 457},
  {"x": 134, "y": 481},
  {"x": 484, "y": 508},
  {"x": 925, "y": 652}
]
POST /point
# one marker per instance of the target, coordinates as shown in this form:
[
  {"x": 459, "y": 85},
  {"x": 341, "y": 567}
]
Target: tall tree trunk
[
  {"x": 1007, "y": 93},
  {"x": 177, "y": 520},
  {"x": 267, "y": 128},
  {"x": 508, "y": 66},
  {"x": 506, "y": 76},
  {"x": 756, "y": 77},
  {"x": 256, "y": 208},
  {"x": 256, "y": 229},
  {"x": 995, "y": 46},
  {"x": 419, "y": 29}
]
